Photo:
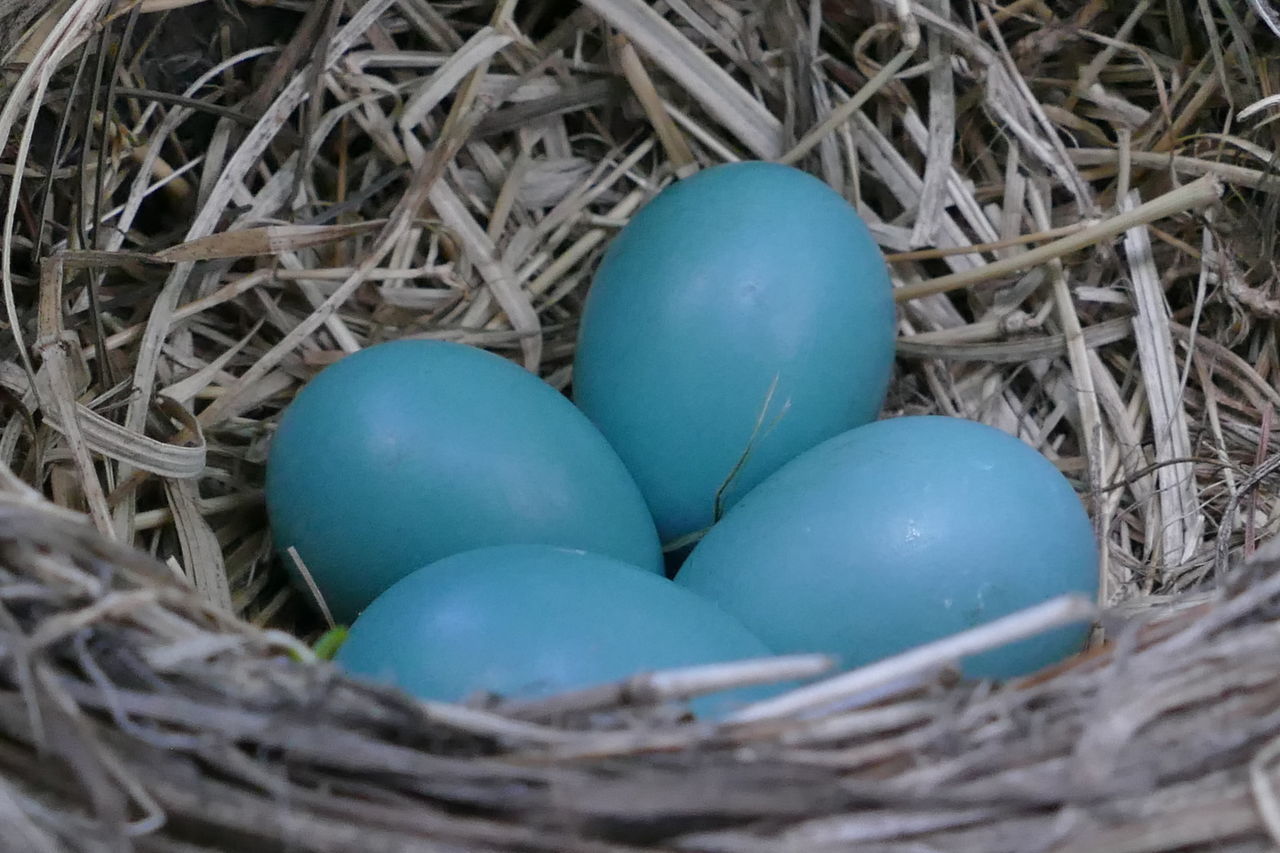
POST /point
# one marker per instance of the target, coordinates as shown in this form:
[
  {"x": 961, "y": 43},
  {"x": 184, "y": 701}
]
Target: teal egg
[
  {"x": 528, "y": 621},
  {"x": 898, "y": 533},
  {"x": 410, "y": 451},
  {"x": 745, "y": 314}
]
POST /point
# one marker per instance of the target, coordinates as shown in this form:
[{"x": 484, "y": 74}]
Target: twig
[
  {"x": 1064, "y": 610},
  {"x": 1203, "y": 191}
]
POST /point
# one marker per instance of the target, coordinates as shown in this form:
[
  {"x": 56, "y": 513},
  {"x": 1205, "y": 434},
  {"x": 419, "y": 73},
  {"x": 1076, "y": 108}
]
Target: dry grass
[
  {"x": 455, "y": 171},
  {"x": 1078, "y": 204}
]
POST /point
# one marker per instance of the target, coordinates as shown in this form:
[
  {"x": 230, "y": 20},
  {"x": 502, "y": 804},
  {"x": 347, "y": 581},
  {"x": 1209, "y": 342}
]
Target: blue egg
[
  {"x": 527, "y": 621},
  {"x": 743, "y": 316},
  {"x": 408, "y": 452},
  {"x": 898, "y": 533}
]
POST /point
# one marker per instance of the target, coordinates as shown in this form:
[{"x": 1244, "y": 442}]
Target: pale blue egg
[
  {"x": 898, "y": 533},
  {"x": 410, "y": 451},
  {"x": 744, "y": 315},
  {"x": 527, "y": 621}
]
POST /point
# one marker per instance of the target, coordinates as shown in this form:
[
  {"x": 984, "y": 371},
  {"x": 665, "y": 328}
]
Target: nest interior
[{"x": 207, "y": 202}]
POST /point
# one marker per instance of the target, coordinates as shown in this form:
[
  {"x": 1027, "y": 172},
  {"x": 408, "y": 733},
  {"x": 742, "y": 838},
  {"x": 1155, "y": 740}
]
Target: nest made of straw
[
  {"x": 208, "y": 201},
  {"x": 135, "y": 716}
]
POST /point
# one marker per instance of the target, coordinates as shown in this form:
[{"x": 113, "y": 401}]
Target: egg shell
[
  {"x": 898, "y": 533},
  {"x": 407, "y": 452},
  {"x": 746, "y": 307},
  {"x": 528, "y": 621}
]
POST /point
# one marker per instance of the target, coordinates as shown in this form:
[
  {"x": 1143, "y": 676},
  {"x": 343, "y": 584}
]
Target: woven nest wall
[{"x": 207, "y": 202}]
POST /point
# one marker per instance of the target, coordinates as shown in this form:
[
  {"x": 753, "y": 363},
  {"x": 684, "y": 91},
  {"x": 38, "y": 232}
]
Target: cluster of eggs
[{"x": 486, "y": 534}]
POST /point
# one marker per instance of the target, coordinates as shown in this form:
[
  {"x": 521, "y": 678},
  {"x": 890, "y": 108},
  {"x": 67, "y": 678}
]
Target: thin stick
[
  {"x": 1203, "y": 191},
  {"x": 845, "y": 111},
  {"x": 1181, "y": 163},
  {"x": 311, "y": 585},
  {"x": 669, "y": 135},
  {"x": 991, "y": 246},
  {"x": 1055, "y": 613}
]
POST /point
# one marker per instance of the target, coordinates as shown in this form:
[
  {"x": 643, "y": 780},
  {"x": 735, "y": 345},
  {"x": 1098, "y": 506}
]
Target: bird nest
[
  {"x": 206, "y": 201},
  {"x": 134, "y": 715}
]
